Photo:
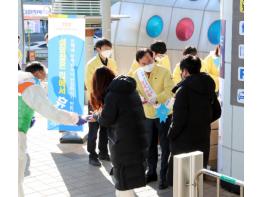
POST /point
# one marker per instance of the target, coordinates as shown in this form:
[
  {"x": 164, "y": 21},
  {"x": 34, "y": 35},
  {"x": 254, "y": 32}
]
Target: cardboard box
[
  {"x": 212, "y": 162},
  {"x": 212, "y": 165},
  {"x": 214, "y": 137},
  {"x": 213, "y": 153},
  {"x": 215, "y": 125}
]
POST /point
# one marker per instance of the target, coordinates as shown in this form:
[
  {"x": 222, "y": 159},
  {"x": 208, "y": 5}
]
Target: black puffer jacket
[
  {"x": 196, "y": 107},
  {"x": 124, "y": 116}
]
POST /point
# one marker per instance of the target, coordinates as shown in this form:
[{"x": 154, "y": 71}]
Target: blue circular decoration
[
  {"x": 154, "y": 26},
  {"x": 214, "y": 32}
]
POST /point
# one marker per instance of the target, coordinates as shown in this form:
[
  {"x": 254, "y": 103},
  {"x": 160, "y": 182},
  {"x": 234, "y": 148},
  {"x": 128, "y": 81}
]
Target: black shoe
[
  {"x": 151, "y": 178},
  {"x": 104, "y": 157},
  {"x": 163, "y": 185},
  {"x": 94, "y": 162}
]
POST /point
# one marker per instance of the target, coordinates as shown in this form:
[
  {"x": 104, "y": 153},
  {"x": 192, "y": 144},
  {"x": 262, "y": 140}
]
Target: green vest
[{"x": 25, "y": 115}]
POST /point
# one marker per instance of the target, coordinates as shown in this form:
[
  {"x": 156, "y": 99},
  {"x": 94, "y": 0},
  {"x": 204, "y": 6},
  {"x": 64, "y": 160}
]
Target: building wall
[{"x": 129, "y": 34}]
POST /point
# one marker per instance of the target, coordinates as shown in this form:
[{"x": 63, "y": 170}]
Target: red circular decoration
[{"x": 185, "y": 29}]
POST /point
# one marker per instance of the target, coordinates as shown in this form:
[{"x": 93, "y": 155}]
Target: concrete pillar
[
  {"x": 89, "y": 44},
  {"x": 106, "y": 18},
  {"x": 231, "y": 129}
]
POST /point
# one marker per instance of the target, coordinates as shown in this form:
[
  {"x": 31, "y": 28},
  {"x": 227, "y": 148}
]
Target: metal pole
[
  {"x": 28, "y": 35},
  {"x": 241, "y": 191},
  {"x": 218, "y": 186},
  {"x": 106, "y": 18},
  {"x": 219, "y": 177}
]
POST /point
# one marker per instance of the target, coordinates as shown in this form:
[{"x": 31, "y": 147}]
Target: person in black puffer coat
[
  {"x": 122, "y": 113},
  {"x": 196, "y": 106}
]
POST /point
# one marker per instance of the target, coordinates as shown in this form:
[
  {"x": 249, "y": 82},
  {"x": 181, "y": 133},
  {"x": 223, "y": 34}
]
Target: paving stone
[
  {"x": 50, "y": 192},
  {"x": 36, "y": 194},
  {"x": 63, "y": 170}
]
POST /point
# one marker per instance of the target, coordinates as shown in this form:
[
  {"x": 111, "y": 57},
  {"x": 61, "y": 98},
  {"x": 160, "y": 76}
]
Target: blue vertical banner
[{"x": 66, "y": 59}]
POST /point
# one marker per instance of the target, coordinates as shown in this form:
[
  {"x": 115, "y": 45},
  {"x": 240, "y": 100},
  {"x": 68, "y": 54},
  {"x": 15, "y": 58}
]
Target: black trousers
[
  {"x": 92, "y": 137},
  {"x": 156, "y": 129}
]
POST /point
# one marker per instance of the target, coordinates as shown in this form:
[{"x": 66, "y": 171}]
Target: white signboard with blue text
[
  {"x": 237, "y": 62},
  {"x": 66, "y": 56},
  {"x": 241, "y": 73}
]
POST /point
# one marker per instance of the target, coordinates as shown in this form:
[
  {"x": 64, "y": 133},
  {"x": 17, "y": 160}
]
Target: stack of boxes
[{"x": 212, "y": 163}]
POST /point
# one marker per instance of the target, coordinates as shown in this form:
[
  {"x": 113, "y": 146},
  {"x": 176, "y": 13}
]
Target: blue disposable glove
[
  {"x": 81, "y": 121},
  {"x": 33, "y": 120}
]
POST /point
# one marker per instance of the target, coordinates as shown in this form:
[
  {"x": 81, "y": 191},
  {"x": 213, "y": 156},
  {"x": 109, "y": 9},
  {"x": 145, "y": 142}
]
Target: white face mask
[
  {"x": 148, "y": 68},
  {"x": 106, "y": 53}
]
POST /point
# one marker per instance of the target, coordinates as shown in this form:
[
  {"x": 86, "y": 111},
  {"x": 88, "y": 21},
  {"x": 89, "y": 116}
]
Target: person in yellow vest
[
  {"x": 190, "y": 50},
  {"x": 103, "y": 58},
  {"x": 212, "y": 63},
  {"x": 154, "y": 84},
  {"x": 159, "y": 53}
]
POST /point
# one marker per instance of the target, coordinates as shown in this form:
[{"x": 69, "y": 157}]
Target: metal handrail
[{"x": 218, "y": 177}]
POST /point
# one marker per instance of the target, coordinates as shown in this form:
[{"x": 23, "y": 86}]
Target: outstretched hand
[
  {"x": 81, "y": 121},
  {"x": 90, "y": 118},
  {"x": 93, "y": 117}
]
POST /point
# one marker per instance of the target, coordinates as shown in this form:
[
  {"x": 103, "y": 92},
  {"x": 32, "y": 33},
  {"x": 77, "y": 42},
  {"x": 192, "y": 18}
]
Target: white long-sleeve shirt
[{"x": 35, "y": 97}]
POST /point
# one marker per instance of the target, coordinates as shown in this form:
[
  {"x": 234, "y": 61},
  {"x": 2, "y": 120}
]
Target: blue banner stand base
[{"x": 73, "y": 137}]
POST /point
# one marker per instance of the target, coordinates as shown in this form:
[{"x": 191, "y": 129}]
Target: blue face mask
[
  {"x": 217, "y": 61},
  {"x": 37, "y": 81}
]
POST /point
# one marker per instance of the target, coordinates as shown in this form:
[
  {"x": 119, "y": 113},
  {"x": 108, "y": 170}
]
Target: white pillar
[
  {"x": 231, "y": 128},
  {"x": 21, "y": 29},
  {"x": 106, "y": 18},
  {"x": 185, "y": 168}
]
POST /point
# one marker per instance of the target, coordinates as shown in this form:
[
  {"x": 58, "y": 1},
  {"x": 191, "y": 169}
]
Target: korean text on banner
[{"x": 66, "y": 56}]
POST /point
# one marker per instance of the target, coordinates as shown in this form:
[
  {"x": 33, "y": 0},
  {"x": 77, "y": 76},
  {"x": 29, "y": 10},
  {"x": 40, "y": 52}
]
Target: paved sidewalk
[{"x": 56, "y": 169}]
